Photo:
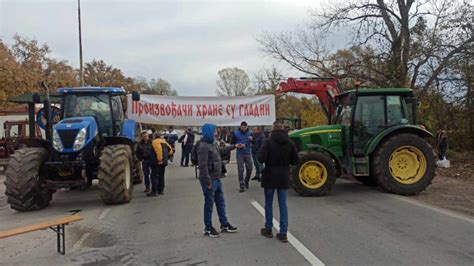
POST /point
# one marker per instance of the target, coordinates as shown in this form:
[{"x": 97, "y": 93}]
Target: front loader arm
[{"x": 325, "y": 89}]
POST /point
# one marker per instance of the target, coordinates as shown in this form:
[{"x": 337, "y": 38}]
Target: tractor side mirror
[
  {"x": 135, "y": 96},
  {"x": 36, "y": 98}
]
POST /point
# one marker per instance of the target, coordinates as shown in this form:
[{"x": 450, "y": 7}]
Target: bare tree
[
  {"x": 411, "y": 42},
  {"x": 233, "y": 82},
  {"x": 267, "y": 80},
  {"x": 158, "y": 87}
]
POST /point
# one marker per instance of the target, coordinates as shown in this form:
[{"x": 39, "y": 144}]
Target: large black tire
[
  {"x": 307, "y": 177},
  {"x": 24, "y": 193},
  {"x": 367, "y": 180},
  {"x": 116, "y": 174},
  {"x": 404, "y": 164}
]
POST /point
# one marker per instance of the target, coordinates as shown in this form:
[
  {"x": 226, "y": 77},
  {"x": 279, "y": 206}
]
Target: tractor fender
[
  {"x": 317, "y": 147},
  {"x": 411, "y": 129},
  {"x": 129, "y": 127},
  {"x": 114, "y": 140}
]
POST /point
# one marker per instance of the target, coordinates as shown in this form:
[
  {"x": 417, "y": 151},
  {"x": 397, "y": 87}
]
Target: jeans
[
  {"x": 269, "y": 209},
  {"x": 146, "y": 173},
  {"x": 215, "y": 194},
  {"x": 258, "y": 166},
  {"x": 244, "y": 160},
  {"x": 157, "y": 179}
]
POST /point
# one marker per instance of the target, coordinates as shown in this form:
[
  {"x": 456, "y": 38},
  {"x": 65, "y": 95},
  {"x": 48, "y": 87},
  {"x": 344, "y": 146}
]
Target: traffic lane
[
  {"x": 169, "y": 230},
  {"x": 357, "y": 225}
]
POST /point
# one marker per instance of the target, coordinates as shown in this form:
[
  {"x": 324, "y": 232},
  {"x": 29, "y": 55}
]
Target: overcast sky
[{"x": 184, "y": 42}]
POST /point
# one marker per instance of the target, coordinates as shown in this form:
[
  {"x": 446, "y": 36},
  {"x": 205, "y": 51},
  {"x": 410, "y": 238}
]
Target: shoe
[
  {"x": 146, "y": 190},
  {"x": 266, "y": 232},
  {"x": 225, "y": 174},
  {"x": 255, "y": 178},
  {"x": 247, "y": 185},
  {"x": 152, "y": 194},
  {"x": 228, "y": 228},
  {"x": 282, "y": 238},
  {"x": 161, "y": 193},
  {"x": 241, "y": 189},
  {"x": 212, "y": 233}
]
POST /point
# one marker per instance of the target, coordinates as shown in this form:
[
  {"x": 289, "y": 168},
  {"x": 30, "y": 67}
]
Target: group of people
[
  {"x": 273, "y": 157},
  {"x": 154, "y": 156},
  {"x": 270, "y": 156}
]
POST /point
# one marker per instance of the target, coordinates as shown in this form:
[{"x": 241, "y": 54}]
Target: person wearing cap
[
  {"x": 144, "y": 152},
  {"x": 187, "y": 143},
  {"x": 241, "y": 138},
  {"x": 171, "y": 138},
  {"x": 210, "y": 172}
]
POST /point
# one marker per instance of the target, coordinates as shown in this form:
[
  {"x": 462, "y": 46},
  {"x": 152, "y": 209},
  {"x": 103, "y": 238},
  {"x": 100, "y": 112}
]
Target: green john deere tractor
[{"x": 372, "y": 135}]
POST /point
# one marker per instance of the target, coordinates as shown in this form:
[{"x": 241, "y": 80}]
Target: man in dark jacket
[
  {"x": 210, "y": 172},
  {"x": 257, "y": 142},
  {"x": 277, "y": 153},
  {"x": 187, "y": 143},
  {"x": 241, "y": 138},
  {"x": 144, "y": 152}
]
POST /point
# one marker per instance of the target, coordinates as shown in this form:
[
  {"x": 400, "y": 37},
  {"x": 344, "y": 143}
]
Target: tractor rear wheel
[
  {"x": 116, "y": 174},
  {"x": 367, "y": 180},
  {"x": 24, "y": 193},
  {"x": 314, "y": 175},
  {"x": 404, "y": 164}
]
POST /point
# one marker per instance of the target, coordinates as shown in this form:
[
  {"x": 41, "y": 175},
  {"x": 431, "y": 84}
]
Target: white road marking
[
  {"x": 307, "y": 254},
  {"x": 434, "y": 208},
  {"x": 104, "y": 213},
  {"x": 79, "y": 242}
]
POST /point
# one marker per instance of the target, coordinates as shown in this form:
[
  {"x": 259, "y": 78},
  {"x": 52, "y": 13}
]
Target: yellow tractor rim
[
  {"x": 313, "y": 174},
  {"x": 407, "y": 165}
]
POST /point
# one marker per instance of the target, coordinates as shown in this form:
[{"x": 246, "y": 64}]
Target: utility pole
[{"x": 80, "y": 42}]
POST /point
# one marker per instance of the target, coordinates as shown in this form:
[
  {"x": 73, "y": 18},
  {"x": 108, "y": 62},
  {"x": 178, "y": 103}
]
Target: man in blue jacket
[
  {"x": 210, "y": 172},
  {"x": 242, "y": 138}
]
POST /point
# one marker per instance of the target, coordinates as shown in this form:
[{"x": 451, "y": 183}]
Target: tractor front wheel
[
  {"x": 314, "y": 175},
  {"x": 116, "y": 174},
  {"x": 404, "y": 164},
  {"x": 23, "y": 190}
]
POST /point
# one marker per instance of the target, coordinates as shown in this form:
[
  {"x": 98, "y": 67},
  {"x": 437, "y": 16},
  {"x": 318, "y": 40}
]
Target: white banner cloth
[{"x": 196, "y": 111}]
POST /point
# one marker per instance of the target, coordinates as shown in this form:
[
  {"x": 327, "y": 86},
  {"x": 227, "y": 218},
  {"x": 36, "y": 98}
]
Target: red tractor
[{"x": 14, "y": 132}]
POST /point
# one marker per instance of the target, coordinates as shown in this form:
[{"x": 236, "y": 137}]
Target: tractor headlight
[
  {"x": 80, "y": 140},
  {"x": 57, "y": 143}
]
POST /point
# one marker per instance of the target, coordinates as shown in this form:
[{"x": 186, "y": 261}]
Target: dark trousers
[
  {"x": 158, "y": 179},
  {"x": 146, "y": 172},
  {"x": 185, "y": 154},
  {"x": 258, "y": 165},
  {"x": 244, "y": 163}
]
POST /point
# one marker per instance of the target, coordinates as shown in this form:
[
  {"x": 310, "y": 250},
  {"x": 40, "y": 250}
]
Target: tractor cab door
[
  {"x": 369, "y": 121},
  {"x": 372, "y": 115},
  {"x": 118, "y": 115}
]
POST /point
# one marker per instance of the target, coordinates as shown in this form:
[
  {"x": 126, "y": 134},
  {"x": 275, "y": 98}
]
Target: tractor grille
[{"x": 68, "y": 137}]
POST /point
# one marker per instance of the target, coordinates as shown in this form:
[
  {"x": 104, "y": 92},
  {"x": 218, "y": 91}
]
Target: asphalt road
[{"x": 356, "y": 225}]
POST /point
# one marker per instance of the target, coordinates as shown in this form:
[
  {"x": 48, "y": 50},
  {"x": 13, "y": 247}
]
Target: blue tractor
[{"x": 93, "y": 139}]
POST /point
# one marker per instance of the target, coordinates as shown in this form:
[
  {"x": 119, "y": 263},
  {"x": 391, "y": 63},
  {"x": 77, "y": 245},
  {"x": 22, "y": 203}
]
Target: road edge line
[{"x": 305, "y": 252}]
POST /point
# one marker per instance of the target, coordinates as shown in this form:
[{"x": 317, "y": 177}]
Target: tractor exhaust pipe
[{"x": 47, "y": 108}]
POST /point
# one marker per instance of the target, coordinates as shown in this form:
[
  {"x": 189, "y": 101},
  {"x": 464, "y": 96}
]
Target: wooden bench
[{"x": 57, "y": 225}]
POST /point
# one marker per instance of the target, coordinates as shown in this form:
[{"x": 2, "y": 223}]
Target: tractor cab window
[
  {"x": 96, "y": 106},
  {"x": 395, "y": 112},
  {"x": 369, "y": 120},
  {"x": 117, "y": 109},
  {"x": 343, "y": 112}
]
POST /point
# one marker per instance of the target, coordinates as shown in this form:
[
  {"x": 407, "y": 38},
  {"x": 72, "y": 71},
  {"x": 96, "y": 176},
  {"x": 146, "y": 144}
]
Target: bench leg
[{"x": 61, "y": 238}]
